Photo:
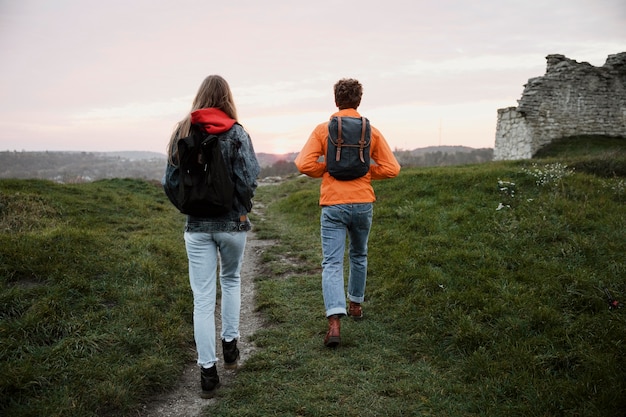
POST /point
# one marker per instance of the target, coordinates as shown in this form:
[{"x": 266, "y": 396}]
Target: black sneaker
[
  {"x": 209, "y": 380},
  {"x": 231, "y": 354}
]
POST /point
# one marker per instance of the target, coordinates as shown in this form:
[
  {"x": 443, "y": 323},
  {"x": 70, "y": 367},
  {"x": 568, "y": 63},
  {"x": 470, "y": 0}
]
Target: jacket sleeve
[
  {"x": 307, "y": 160},
  {"x": 387, "y": 165},
  {"x": 246, "y": 170},
  {"x": 171, "y": 183}
]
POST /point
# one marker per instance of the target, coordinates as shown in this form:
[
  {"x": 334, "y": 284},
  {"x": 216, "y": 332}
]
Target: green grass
[
  {"x": 470, "y": 310},
  {"x": 95, "y": 308},
  {"x": 486, "y": 297}
]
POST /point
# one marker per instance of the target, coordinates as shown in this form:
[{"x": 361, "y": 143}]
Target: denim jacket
[{"x": 236, "y": 146}]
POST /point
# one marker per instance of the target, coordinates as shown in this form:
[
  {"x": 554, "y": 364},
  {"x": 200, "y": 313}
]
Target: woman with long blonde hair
[
  {"x": 216, "y": 243},
  {"x": 214, "y": 92}
]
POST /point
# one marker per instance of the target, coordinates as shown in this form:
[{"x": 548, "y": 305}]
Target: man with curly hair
[{"x": 347, "y": 210}]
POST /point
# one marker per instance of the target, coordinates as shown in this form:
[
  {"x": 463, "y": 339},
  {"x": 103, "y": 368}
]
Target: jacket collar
[{"x": 346, "y": 113}]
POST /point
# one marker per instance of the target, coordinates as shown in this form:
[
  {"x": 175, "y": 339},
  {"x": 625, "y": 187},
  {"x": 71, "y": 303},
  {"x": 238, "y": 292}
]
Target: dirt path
[{"x": 184, "y": 400}]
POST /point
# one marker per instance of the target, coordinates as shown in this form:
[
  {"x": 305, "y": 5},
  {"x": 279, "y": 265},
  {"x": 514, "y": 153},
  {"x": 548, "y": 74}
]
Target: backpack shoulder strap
[
  {"x": 362, "y": 140},
  {"x": 339, "y": 140}
]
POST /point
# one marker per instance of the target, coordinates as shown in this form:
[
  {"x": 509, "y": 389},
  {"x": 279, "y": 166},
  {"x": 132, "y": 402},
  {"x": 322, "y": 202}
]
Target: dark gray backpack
[{"x": 348, "y": 154}]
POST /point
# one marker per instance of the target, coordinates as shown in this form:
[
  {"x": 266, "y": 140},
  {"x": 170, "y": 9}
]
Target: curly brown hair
[{"x": 348, "y": 92}]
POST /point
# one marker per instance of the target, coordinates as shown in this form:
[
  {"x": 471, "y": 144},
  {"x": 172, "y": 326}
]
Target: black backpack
[
  {"x": 348, "y": 154},
  {"x": 205, "y": 188}
]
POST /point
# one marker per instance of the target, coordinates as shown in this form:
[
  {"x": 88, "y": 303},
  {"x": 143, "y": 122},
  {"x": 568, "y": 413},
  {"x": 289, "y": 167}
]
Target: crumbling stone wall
[{"x": 571, "y": 99}]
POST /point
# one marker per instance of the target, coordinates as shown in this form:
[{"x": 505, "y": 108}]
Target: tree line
[
  {"x": 69, "y": 167},
  {"x": 438, "y": 156}
]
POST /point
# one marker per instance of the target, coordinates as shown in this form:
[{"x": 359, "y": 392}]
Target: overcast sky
[{"x": 115, "y": 75}]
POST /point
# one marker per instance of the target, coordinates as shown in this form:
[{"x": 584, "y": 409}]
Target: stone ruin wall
[{"x": 571, "y": 99}]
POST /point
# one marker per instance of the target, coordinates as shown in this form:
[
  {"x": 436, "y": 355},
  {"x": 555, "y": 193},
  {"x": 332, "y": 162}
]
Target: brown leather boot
[
  {"x": 355, "y": 310},
  {"x": 333, "y": 337}
]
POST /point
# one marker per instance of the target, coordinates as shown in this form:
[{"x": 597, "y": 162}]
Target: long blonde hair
[{"x": 213, "y": 92}]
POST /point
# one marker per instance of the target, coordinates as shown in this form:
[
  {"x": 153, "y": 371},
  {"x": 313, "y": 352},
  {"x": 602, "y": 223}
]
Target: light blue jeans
[
  {"x": 337, "y": 222},
  {"x": 204, "y": 251}
]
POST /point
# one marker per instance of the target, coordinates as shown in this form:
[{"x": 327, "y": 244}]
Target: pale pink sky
[{"x": 115, "y": 75}]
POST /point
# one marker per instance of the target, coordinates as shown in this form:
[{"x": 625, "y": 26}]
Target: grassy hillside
[
  {"x": 493, "y": 290},
  {"x": 95, "y": 309},
  {"x": 488, "y": 295}
]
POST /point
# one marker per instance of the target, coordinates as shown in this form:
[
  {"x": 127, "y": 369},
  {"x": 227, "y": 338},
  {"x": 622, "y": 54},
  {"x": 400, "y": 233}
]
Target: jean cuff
[
  {"x": 337, "y": 310},
  {"x": 356, "y": 299}
]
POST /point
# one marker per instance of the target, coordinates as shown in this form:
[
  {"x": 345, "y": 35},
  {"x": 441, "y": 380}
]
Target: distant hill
[
  {"x": 135, "y": 155},
  {"x": 444, "y": 149},
  {"x": 269, "y": 159},
  {"x": 67, "y": 167},
  {"x": 444, "y": 155}
]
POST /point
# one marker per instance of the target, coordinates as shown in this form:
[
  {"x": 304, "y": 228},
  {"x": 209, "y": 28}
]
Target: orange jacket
[{"x": 333, "y": 191}]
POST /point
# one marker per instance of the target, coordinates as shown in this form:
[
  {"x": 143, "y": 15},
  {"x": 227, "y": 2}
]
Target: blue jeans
[
  {"x": 337, "y": 222},
  {"x": 204, "y": 251}
]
